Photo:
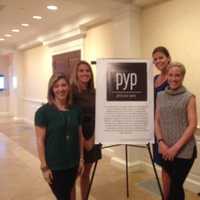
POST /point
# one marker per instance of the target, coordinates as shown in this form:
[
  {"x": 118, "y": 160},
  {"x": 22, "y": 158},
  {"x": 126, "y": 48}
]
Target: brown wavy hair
[
  {"x": 163, "y": 50},
  {"x": 52, "y": 81}
]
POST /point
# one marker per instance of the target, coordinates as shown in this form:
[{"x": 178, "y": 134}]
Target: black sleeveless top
[{"x": 86, "y": 101}]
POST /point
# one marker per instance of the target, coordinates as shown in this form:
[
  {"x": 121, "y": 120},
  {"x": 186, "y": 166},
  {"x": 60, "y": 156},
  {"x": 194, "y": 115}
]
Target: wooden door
[{"x": 66, "y": 62}]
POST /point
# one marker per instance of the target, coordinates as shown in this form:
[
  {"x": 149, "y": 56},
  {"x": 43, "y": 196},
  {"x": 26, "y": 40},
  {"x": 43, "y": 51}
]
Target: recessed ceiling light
[
  {"x": 2, "y": 39},
  {"x": 52, "y": 7},
  {"x": 25, "y": 25},
  {"x": 8, "y": 35},
  {"x": 15, "y": 30},
  {"x": 37, "y": 17}
]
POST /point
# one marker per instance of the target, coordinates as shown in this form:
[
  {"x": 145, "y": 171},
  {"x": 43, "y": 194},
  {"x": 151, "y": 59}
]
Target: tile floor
[{"x": 20, "y": 177}]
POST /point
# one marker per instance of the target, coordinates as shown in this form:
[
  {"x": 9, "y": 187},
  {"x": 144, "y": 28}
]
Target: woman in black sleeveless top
[{"x": 83, "y": 95}]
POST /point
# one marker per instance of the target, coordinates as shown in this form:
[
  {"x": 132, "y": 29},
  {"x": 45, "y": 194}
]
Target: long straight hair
[{"x": 75, "y": 80}]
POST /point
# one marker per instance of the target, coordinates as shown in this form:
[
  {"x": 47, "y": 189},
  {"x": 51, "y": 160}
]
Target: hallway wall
[
  {"x": 37, "y": 70},
  {"x": 175, "y": 24}
]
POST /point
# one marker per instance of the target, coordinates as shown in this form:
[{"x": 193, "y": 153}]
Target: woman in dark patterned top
[
  {"x": 161, "y": 59},
  {"x": 83, "y": 95},
  {"x": 175, "y": 124}
]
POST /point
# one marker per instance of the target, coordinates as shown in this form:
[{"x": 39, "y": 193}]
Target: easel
[
  {"x": 126, "y": 155},
  {"x": 127, "y": 180}
]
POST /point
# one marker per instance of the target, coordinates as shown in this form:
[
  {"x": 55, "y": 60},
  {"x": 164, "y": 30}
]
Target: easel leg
[
  {"x": 91, "y": 181},
  {"x": 127, "y": 184},
  {"x": 155, "y": 172}
]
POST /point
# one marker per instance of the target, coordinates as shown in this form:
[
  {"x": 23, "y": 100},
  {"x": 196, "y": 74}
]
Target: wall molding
[
  {"x": 64, "y": 37},
  {"x": 5, "y": 114},
  {"x": 35, "y": 101},
  {"x": 66, "y": 42}
]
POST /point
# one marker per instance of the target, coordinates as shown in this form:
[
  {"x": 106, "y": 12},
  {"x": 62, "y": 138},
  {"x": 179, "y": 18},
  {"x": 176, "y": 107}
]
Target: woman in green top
[{"x": 59, "y": 138}]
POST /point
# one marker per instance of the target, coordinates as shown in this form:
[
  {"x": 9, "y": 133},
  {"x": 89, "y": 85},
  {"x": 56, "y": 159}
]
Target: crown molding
[
  {"x": 65, "y": 37},
  {"x": 30, "y": 45}
]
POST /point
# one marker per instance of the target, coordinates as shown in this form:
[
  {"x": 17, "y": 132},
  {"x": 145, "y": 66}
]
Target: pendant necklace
[
  {"x": 67, "y": 126},
  {"x": 66, "y": 121}
]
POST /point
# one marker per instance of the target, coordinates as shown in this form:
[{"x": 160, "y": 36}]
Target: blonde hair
[
  {"x": 75, "y": 80},
  {"x": 179, "y": 65},
  {"x": 52, "y": 81}
]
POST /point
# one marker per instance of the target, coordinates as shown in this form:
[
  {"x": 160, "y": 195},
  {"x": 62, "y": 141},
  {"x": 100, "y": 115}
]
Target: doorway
[{"x": 66, "y": 62}]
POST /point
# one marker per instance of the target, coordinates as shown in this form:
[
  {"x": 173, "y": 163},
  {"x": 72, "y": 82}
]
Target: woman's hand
[
  {"x": 171, "y": 152},
  {"x": 48, "y": 177},
  {"x": 163, "y": 148}
]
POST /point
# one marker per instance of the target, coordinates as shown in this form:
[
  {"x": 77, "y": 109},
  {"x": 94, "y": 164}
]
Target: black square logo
[{"x": 127, "y": 82}]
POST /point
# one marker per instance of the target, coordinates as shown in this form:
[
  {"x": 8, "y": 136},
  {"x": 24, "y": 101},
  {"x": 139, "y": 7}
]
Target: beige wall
[
  {"x": 176, "y": 25},
  {"x": 37, "y": 70},
  {"x": 36, "y": 73}
]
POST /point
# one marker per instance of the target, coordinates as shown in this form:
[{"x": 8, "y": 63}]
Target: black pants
[
  {"x": 63, "y": 181},
  {"x": 178, "y": 170}
]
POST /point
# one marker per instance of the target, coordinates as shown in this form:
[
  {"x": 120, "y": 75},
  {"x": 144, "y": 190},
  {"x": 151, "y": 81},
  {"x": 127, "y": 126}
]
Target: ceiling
[{"x": 15, "y": 12}]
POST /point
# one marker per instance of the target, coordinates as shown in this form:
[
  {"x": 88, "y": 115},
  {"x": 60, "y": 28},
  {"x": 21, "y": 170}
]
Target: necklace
[
  {"x": 67, "y": 126},
  {"x": 66, "y": 119},
  {"x": 64, "y": 113}
]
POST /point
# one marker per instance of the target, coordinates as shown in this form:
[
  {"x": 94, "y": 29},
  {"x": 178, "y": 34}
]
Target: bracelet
[
  {"x": 160, "y": 140},
  {"x": 44, "y": 169}
]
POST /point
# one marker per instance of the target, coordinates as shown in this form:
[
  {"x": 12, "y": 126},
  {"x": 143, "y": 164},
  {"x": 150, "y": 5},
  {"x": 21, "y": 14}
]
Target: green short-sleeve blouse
[{"x": 62, "y": 149}]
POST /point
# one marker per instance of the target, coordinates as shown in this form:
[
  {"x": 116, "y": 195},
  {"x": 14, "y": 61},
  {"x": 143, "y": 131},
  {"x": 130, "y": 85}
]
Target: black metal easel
[{"x": 127, "y": 180}]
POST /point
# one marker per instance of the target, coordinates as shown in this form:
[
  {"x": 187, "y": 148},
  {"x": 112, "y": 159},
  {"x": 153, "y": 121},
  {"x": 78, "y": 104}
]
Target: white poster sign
[{"x": 124, "y": 102}]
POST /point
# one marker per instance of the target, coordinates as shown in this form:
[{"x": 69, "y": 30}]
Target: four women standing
[{"x": 65, "y": 135}]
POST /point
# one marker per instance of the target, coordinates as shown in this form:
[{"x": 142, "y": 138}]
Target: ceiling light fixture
[
  {"x": 52, "y": 7},
  {"x": 2, "y": 39},
  {"x": 8, "y": 35},
  {"x": 25, "y": 25},
  {"x": 15, "y": 30},
  {"x": 37, "y": 17}
]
